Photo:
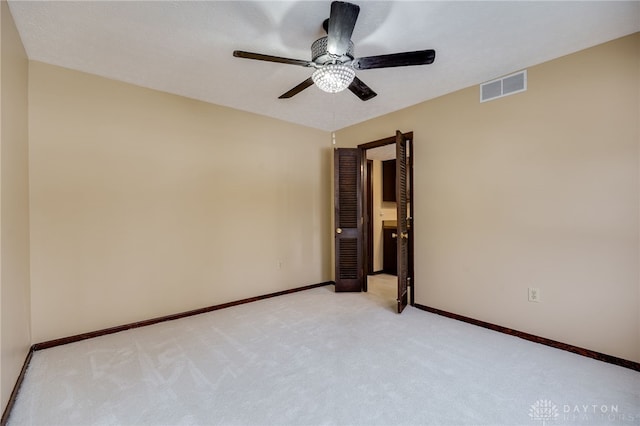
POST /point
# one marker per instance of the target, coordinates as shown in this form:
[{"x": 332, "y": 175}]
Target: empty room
[{"x": 317, "y": 212}]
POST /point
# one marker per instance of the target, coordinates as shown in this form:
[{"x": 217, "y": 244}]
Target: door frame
[
  {"x": 367, "y": 238},
  {"x": 368, "y": 209}
]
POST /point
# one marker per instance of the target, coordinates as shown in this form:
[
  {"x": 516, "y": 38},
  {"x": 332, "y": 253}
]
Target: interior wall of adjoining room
[
  {"x": 145, "y": 204},
  {"x": 15, "y": 338},
  {"x": 535, "y": 190},
  {"x": 382, "y": 210}
]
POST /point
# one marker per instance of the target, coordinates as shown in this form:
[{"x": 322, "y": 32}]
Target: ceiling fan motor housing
[{"x": 320, "y": 55}]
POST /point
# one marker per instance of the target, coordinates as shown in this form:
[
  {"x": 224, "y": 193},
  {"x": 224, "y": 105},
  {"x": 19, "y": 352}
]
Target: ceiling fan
[{"x": 333, "y": 59}]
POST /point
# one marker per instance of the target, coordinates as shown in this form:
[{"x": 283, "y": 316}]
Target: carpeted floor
[{"x": 321, "y": 358}]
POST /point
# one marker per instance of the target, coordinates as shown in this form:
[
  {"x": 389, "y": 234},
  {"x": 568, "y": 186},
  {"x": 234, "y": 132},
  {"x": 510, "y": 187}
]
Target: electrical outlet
[{"x": 534, "y": 294}]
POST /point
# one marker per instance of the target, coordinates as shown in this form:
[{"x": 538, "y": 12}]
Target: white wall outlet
[
  {"x": 534, "y": 294},
  {"x": 280, "y": 263}
]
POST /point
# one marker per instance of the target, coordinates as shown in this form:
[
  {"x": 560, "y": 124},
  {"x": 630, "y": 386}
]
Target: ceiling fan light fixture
[
  {"x": 333, "y": 78},
  {"x": 333, "y": 59}
]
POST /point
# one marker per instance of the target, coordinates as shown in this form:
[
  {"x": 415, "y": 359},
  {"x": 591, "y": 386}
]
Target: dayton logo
[{"x": 544, "y": 410}]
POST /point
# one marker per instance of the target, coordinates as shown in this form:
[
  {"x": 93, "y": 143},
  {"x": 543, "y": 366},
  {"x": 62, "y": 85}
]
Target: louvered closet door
[
  {"x": 403, "y": 231},
  {"x": 348, "y": 219}
]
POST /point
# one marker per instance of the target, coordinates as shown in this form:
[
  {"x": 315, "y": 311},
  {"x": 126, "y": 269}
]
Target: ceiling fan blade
[
  {"x": 299, "y": 88},
  {"x": 361, "y": 90},
  {"x": 341, "y": 23},
  {"x": 420, "y": 57},
  {"x": 269, "y": 58}
]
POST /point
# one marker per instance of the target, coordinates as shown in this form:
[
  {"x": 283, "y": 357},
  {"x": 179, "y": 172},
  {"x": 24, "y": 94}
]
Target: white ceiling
[{"x": 186, "y": 47}]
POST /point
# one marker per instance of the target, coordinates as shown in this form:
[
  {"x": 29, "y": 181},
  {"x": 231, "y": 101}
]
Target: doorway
[{"x": 382, "y": 228}]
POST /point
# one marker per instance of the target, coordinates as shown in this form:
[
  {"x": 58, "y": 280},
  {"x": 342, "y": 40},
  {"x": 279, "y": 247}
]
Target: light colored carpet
[{"x": 321, "y": 358}]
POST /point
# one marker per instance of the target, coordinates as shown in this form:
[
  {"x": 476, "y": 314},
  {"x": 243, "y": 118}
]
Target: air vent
[{"x": 505, "y": 86}]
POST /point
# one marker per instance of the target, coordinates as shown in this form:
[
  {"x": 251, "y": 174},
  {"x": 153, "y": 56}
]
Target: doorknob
[
  {"x": 404, "y": 235},
  {"x": 338, "y": 230},
  {"x": 394, "y": 235}
]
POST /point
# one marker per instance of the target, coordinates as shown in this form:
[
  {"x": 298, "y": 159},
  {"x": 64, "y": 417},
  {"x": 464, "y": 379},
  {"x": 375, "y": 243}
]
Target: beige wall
[
  {"x": 539, "y": 189},
  {"x": 15, "y": 339},
  {"x": 145, "y": 204}
]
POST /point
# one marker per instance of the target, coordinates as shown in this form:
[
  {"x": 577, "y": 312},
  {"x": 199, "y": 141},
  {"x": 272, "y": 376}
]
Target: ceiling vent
[{"x": 505, "y": 86}]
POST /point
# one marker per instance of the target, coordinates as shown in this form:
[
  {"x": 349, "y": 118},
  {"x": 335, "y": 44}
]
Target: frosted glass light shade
[{"x": 333, "y": 78}]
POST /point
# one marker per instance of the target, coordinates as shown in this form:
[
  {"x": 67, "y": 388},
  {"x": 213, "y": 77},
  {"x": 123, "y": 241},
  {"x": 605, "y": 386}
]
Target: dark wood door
[
  {"x": 402, "y": 238},
  {"x": 410, "y": 223},
  {"x": 348, "y": 231}
]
